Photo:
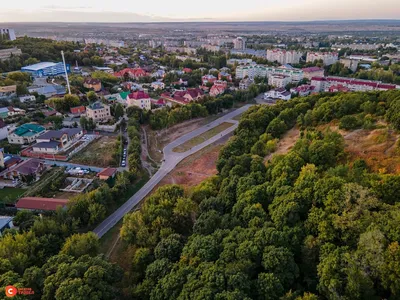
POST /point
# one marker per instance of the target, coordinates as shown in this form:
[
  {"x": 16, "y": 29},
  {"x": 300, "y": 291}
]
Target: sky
[{"x": 204, "y": 10}]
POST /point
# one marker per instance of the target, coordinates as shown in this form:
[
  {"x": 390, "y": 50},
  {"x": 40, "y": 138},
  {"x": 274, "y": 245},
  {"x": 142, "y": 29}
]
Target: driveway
[{"x": 171, "y": 159}]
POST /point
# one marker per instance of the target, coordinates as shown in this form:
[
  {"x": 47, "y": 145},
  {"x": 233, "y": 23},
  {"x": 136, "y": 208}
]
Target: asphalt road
[{"x": 171, "y": 159}]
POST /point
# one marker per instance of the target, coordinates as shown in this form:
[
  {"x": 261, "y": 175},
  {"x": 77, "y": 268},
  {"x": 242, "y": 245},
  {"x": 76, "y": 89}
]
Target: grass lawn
[
  {"x": 10, "y": 194},
  {"x": 98, "y": 153},
  {"x": 202, "y": 138}
]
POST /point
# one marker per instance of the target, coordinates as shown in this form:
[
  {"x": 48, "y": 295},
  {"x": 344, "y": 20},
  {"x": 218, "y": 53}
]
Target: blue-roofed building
[
  {"x": 44, "y": 69},
  {"x": 5, "y": 223},
  {"x": 25, "y": 134}
]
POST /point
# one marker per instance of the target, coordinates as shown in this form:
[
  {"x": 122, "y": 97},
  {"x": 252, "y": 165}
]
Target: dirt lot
[
  {"x": 98, "y": 153},
  {"x": 195, "y": 168},
  {"x": 202, "y": 137}
]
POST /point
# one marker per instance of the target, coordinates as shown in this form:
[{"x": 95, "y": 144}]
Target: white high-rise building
[
  {"x": 239, "y": 43},
  {"x": 284, "y": 56},
  {"x": 328, "y": 58},
  {"x": 10, "y": 33},
  {"x": 253, "y": 71}
]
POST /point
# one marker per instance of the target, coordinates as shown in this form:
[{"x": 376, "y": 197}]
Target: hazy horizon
[{"x": 121, "y": 11}]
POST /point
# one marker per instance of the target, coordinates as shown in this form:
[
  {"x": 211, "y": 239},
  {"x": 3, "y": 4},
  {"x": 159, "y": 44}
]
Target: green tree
[{"x": 81, "y": 244}]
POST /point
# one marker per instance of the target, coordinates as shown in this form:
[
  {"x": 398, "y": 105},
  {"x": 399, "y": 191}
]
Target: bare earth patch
[
  {"x": 287, "y": 141},
  {"x": 379, "y": 148}
]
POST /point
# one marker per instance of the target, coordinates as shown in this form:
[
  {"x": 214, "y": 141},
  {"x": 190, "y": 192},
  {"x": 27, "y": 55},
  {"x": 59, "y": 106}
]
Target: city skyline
[{"x": 208, "y": 10}]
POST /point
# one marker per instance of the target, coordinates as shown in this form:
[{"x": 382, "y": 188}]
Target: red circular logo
[{"x": 11, "y": 291}]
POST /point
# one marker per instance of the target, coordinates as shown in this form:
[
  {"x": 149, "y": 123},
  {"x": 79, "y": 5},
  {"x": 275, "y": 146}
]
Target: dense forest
[
  {"x": 310, "y": 224},
  {"x": 314, "y": 223}
]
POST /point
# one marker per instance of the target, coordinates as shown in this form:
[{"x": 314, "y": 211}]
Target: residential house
[
  {"x": 78, "y": 110},
  {"x": 3, "y": 130},
  {"x": 218, "y": 88},
  {"x": 8, "y": 92},
  {"x": 55, "y": 141},
  {"x": 41, "y": 204},
  {"x": 183, "y": 97},
  {"x": 26, "y": 98},
  {"x": 107, "y": 173},
  {"x": 135, "y": 73},
  {"x": 158, "y": 85},
  {"x": 158, "y": 74},
  {"x": 25, "y": 134},
  {"x": 208, "y": 79},
  {"x": 224, "y": 76},
  {"x": 139, "y": 99},
  {"x": 312, "y": 72},
  {"x": 13, "y": 111},
  {"x": 192, "y": 94},
  {"x": 187, "y": 70},
  {"x": 93, "y": 84},
  {"x": 279, "y": 93},
  {"x": 98, "y": 111},
  {"x": 25, "y": 170}
]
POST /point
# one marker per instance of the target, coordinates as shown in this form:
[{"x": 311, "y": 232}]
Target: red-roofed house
[
  {"x": 139, "y": 99},
  {"x": 187, "y": 70},
  {"x": 78, "y": 110},
  {"x": 192, "y": 94},
  {"x": 92, "y": 83},
  {"x": 132, "y": 73},
  {"x": 208, "y": 79},
  {"x": 106, "y": 173},
  {"x": 38, "y": 203},
  {"x": 218, "y": 88}
]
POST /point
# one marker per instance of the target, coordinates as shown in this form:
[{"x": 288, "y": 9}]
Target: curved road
[{"x": 171, "y": 159}]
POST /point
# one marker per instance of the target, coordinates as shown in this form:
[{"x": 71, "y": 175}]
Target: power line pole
[{"x": 66, "y": 73}]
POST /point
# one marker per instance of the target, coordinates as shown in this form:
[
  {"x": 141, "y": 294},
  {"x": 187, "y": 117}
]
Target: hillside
[{"x": 319, "y": 219}]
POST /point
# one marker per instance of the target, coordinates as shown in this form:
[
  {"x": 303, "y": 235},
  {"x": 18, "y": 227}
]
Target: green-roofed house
[{"x": 25, "y": 134}]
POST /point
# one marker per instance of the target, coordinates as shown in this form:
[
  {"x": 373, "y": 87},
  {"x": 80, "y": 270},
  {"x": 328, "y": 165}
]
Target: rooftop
[
  {"x": 51, "y": 144},
  {"x": 4, "y": 220},
  {"x": 39, "y": 203},
  {"x": 107, "y": 172},
  {"x": 39, "y": 66},
  {"x": 28, "y": 129},
  {"x": 96, "y": 105}
]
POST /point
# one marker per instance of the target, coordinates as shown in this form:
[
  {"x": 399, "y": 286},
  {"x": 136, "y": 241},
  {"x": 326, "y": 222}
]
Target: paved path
[{"x": 171, "y": 159}]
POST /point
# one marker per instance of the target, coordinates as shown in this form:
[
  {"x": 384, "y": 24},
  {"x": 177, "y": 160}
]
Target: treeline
[
  {"x": 307, "y": 225},
  {"x": 134, "y": 161}
]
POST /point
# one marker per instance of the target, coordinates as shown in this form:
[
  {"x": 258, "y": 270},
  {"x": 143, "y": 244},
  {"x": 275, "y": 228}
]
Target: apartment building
[
  {"x": 284, "y": 56},
  {"x": 355, "y": 85},
  {"x": 328, "y": 58},
  {"x": 263, "y": 71}
]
